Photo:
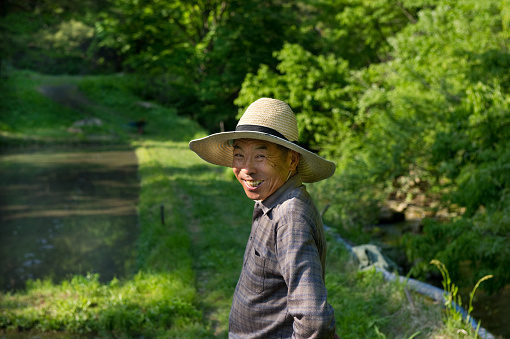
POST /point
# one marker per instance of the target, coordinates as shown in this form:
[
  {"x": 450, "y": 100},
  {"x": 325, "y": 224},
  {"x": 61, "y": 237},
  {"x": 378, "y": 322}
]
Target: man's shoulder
[
  {"x": 296, "y": 203},
  {"x": 298, "y": 195}
]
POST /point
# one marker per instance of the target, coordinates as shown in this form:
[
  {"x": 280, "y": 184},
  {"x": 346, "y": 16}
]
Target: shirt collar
[{"x": 275, "y": 198}]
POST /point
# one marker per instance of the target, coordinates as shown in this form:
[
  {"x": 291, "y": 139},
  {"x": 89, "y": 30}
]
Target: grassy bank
[{"x": 187, "y": 266}]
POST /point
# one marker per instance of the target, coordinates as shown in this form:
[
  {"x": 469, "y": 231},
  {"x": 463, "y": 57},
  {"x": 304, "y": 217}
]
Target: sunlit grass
[{"x": 148, "y": 304}]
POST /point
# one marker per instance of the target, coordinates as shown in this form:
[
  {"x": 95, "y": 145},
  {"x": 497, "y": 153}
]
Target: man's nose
[{"x": 249, "y": 165}]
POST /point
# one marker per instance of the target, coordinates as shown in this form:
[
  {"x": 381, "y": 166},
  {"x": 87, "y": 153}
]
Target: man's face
[{"x": 261, "y": 167}]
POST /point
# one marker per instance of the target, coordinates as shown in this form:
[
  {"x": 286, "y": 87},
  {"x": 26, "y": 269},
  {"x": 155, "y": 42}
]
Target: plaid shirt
[{"x": 281, "y": 291}]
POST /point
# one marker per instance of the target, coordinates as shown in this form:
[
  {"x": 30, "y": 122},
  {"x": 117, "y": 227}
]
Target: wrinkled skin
[{"x": 262, "y": 167}]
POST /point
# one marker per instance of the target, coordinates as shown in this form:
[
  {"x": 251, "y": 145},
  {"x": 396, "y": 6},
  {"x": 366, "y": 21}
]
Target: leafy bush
[
  {"x": 471, "y": 248},
  {"x": 49, "y": 37}
]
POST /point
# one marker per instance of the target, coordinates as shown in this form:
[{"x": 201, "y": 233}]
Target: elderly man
[{"x": 281, "y": 291}]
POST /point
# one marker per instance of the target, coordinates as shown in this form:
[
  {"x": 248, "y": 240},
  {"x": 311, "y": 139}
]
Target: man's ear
[{"x": 294, "y": 160}]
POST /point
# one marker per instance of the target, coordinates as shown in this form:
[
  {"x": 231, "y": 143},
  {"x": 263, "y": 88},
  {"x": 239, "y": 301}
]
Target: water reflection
[{"x": 66, "y": 212}]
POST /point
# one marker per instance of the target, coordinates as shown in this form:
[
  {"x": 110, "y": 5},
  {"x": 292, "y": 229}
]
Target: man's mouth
[{"x": 253, "y": 183}]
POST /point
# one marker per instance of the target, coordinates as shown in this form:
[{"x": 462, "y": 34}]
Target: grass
[
  {"x": 146, "y": 305},
  {"x": 188, "y": 266}
]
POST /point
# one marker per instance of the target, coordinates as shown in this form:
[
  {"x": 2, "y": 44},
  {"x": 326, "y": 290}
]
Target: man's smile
[{"x": 253, "y": 183}]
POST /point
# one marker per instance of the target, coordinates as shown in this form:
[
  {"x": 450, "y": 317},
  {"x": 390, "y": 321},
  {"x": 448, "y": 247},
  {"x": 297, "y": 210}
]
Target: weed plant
[
  {"x": 454, "y": 315},
  {"x": 189, "y": 257}
]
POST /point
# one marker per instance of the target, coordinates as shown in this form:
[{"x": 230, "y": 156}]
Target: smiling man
[
  {"x": 281, "y": 291},
  {"x": 262, "y": 167}
]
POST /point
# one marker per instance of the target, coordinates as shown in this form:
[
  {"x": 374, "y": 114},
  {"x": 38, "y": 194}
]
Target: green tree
[
  {"x": 194, "y": 55},
  {"x": 48, "y": 36},
  {"x": 322, "y": 79},
  {"x": 437, "y": 114},
  {"x": 358, "y": 30}
]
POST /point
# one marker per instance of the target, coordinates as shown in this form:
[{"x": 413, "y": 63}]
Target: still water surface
[{"x": 65, "y": 212}]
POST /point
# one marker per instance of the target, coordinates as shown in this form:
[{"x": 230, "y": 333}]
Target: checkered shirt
[{"x": 281, "y": 291}]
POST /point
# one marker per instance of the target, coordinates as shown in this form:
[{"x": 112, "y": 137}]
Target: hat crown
[{"x": 273, "y": 114}]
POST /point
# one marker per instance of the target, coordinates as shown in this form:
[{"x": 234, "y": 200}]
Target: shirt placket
[{"x": 257, "y": 212}]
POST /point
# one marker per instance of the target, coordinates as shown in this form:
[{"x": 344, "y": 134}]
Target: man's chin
[{"x": 253, "y": 195}]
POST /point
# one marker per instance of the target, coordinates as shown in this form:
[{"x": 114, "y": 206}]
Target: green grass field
[{"x": 188, "y": 267}]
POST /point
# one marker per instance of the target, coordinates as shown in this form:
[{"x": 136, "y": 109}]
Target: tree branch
[{"x": 406, "y": 12}]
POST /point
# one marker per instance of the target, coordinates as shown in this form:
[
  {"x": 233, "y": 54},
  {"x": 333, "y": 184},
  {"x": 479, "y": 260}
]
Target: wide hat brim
[{"x": 217, "y": 149}]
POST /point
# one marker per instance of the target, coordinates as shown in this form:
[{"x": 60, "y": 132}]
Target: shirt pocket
[{"x": 254, "y": 276}]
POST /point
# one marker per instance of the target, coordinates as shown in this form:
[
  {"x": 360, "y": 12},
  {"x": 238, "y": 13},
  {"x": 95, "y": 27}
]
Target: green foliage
[
  {"x": 471, "y": 248},
  {"x": 193, "y": 55},
  {"x": 52, "y": 37},
  {"x": 357, "y": 31},
  {"x": 479, "y": 156},
  {"x": 144, "y": 34},
  {"x": 467, "y": 146},
  {"x": 247, "y": 38}
]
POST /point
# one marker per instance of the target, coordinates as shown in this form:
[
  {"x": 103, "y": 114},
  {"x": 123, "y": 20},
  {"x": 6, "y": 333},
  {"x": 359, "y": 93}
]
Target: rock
[
  {"x": 145, "y": 104},
  {"x": 88, "y": 122}
]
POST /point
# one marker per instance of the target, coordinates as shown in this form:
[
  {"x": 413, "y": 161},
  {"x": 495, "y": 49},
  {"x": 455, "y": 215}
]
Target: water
[{"x": 65, "y": 212}]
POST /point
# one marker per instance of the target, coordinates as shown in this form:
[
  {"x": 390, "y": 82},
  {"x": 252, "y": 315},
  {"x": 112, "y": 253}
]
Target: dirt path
[
  {"x": 70, "y": 96},
  {"x": 66, "y": 95}
]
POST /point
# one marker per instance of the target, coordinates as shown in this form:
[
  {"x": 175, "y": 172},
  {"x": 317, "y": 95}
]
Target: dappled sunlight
[{"x": 70, "y": 35}]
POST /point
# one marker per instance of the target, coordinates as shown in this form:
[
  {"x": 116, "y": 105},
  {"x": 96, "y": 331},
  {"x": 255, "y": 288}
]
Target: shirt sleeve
[{"x": 299, "y": 259}]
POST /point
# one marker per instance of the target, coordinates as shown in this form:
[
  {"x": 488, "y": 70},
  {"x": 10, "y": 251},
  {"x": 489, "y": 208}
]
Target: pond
[{"x": 67, "y": 211}]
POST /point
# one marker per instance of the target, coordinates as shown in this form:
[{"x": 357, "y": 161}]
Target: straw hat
[{"x": 270, "y": 120}]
